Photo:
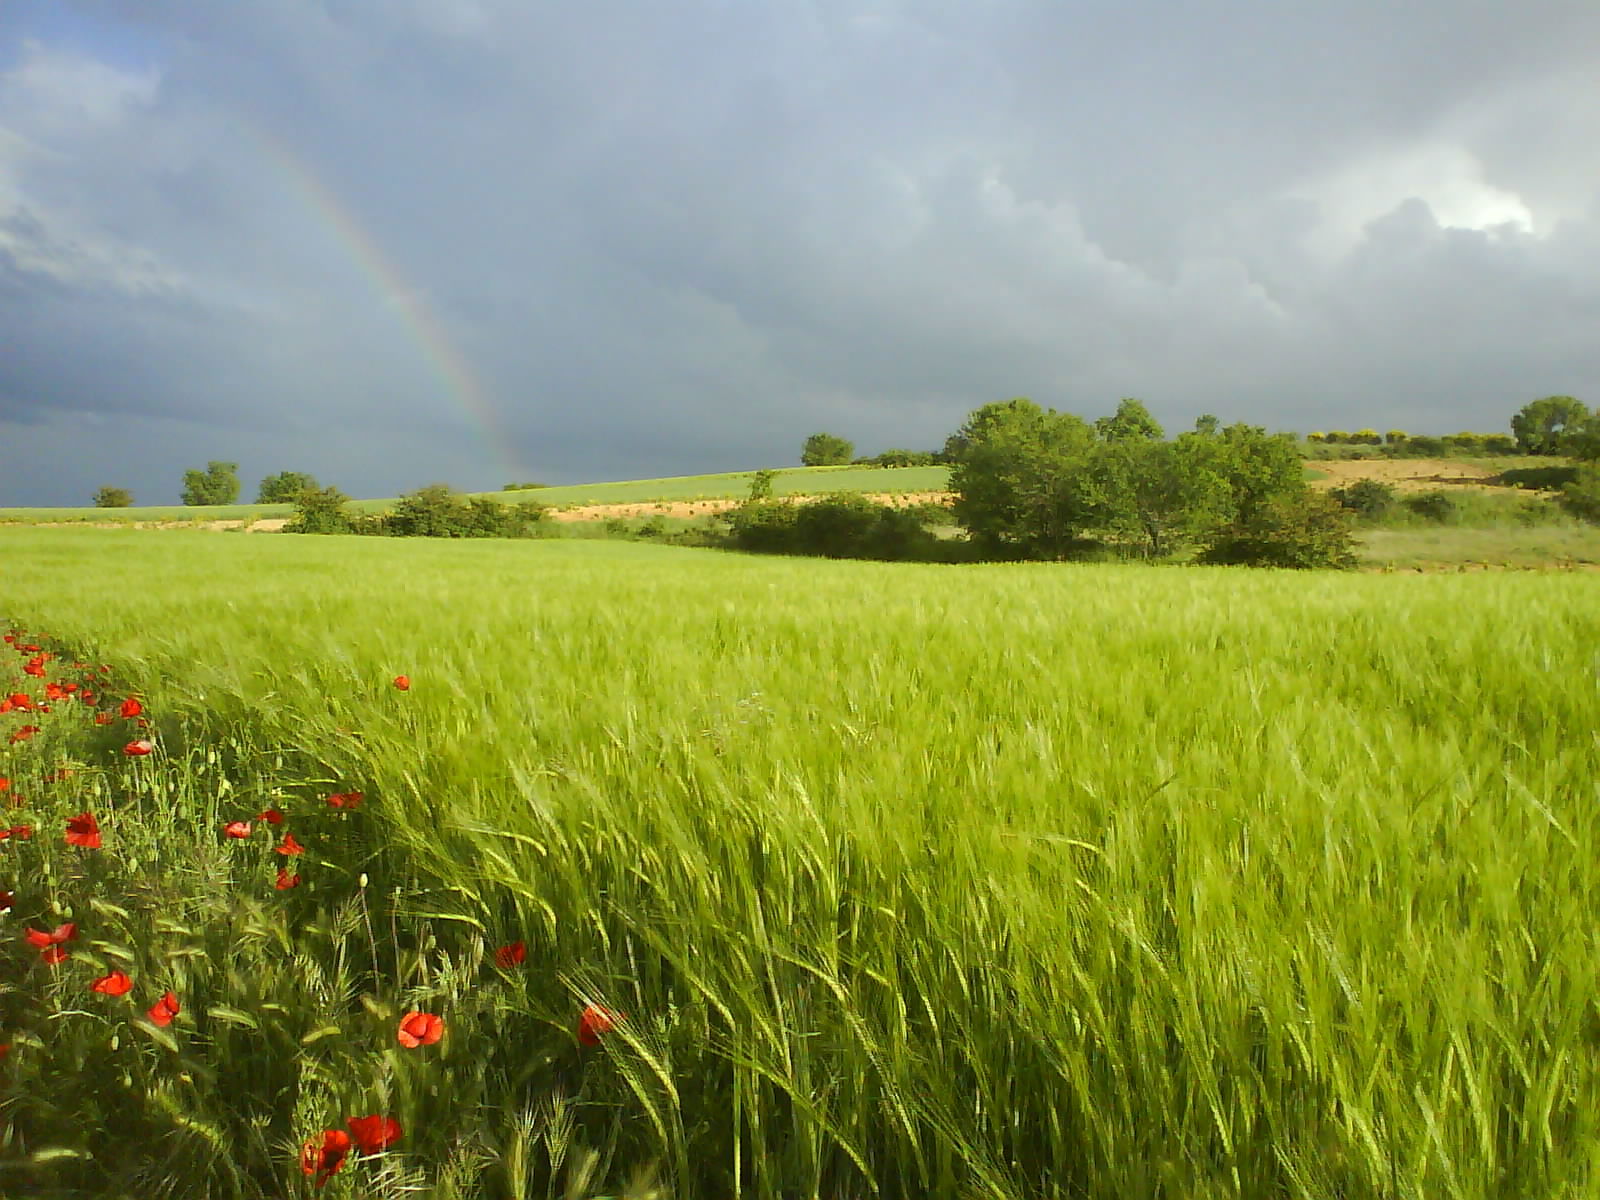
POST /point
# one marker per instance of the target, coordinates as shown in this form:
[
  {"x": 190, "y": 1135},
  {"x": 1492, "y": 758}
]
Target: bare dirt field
[{"x": 1405, "y": 474}]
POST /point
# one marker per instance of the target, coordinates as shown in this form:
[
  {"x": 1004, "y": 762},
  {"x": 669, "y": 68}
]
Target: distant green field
[
  {"x": 792, "y": 481},
  {"x": 1020, "y": 882}
]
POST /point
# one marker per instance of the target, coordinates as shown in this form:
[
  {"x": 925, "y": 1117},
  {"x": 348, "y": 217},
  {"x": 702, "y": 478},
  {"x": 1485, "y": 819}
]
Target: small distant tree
[
  {"x": 1547, "y": 426},
  {"x": 1585, "y": 446},
  {"x": 113, "y": 497},
  {"x": 1131, "y": 421},
  {"x": 826, "y": 450},
  {"x": 1369, "y": 499},
  {"x": 1366, "y": 437},
  {"x": 1207, "y": 424},
  {"x": 217, "y": 484},
  {"x": 1396, "y": 437},
  {"x": 761, "y": 486},
  {"x": 284, "y": 487},
  {"x": 1316, "y": 437}
]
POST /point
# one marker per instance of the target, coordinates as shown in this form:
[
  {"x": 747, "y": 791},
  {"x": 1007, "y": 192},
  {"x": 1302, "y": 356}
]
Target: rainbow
[{"x": 458, "y": 381}]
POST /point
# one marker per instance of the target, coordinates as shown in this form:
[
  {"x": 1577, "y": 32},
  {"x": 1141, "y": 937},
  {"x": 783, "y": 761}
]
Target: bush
[
  {"x": 1581, "y": 497},
  {"x": 1500, "y": 443},
  {"x": 1366, "y": 437},
  {"x": 1424, "y": 446},
  {"x": 1300, "y": 531},
  {"x": 846, "y": 525},
  {"x": 761, "y": 485},
  {"x": 1545, "y": 479},
  {"x": 1316, "y": 438},
  {"x": 433, "y": 511},
  {"x": 1434, "y": 506},
  {"x": 1396, "y": 437},
  {"x": 1369, "y": 499},
  {"x": 113, "y": 497},
  {"x": 902, "y": 458},
  {"x": 320, "y": 510},
  {"x": 522, "y": 487}
]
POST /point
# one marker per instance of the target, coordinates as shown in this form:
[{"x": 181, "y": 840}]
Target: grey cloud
[{"x": 672, "y": 240}]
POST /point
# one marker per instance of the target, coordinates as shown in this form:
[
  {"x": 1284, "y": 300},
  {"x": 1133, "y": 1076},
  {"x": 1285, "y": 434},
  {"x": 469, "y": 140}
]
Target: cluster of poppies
[{"x": 324, "y": 1155}]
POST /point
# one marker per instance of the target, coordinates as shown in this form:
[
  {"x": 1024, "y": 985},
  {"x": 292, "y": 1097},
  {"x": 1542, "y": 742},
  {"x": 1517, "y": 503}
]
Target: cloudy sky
[{"x": 397, "y": 241}]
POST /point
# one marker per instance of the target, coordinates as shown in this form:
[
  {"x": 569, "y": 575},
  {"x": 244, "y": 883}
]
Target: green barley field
[{"x": 1030, "y": 882}]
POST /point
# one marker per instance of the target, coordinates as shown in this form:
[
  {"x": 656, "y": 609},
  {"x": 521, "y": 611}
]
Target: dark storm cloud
[{"x": 679, "y": 239}]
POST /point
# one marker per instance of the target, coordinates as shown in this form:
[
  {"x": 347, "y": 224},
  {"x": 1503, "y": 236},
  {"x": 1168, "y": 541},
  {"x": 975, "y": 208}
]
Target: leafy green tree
[
  {"x": 113, "y": 497},
  {"x": 1162, "y": 494},
  {"x": 1259, "y": 466},
  {"x": 285, "y": 487},
  {"x": 761, "y": 485},
  {"x": 1019, "y": 479},
  {"x": 826, "y": 450},
  {"x": 1132, "y": 421},
  {"x": 1546, "y": 426},
  {"x": 1206, "y": 424},
  {"x": 217, "y": 484}
]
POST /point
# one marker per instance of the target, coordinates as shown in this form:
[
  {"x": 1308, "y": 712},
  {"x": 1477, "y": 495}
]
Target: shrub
[
  {"x": 1366, "y": 437},
  {"x": 1425, "y": 446},
  {"x": 1301, "y": 531},
  {"x": 1316, "y": 437},
  {"x": 1434, "y": 506},
  {"x": 1581, "y": 497},
  {"x": 1548, "y": 479},
  {"x": 762, "y": 526},
  {"x": 1500, "y": 443},
  {"x": 522, "y": 487},
  {"x": 1396, "y": 437},
  {"x": 846, "y": 525},
  {"x": 1336, "y": 437},
  {"x": 320, "y": 510},
  {"x": 436, "y": 511},
  {"x": 113, "y": 497},
  {"x": 761, "y": 485},
  {"x": 1369, "y": 499},
  {"x": 902, "y": 458},
  {"x": 1463, "y": 443}
]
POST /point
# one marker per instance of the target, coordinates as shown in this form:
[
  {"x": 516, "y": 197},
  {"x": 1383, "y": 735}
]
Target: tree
[
  {"x": 1586, "y": 439},
  {"x": 826, "y": 450},
  {"x": 1546, "y": 426},
  {"x": 285, "y": 487},
  {"x": 113, "y": 497},
  {"x": 1132, "y": 420},
  {"x": 1019, "y": 477},
  {"x": 217, "y": 484},
  {"x": 1160, "y": 493}
]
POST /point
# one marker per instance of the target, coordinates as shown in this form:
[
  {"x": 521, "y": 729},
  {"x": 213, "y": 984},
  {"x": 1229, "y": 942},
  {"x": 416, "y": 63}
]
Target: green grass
[
  {"x": 793, "y": 481},
  {"x": 1007, "y": 881},
  {"x": 1506, "y": 546}
]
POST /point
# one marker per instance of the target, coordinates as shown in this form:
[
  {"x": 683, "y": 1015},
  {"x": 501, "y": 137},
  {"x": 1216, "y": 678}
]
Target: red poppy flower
[
  {"x": 88, "y": 698},
  {"x": 131, "y": 707},
  {"x": 512, "y": 955},
  {"x": 138, "y": 746},
  {"x": 34, "y": 666},
  {"x": 21, "y": 832},
  {"x": 5, "y": 704},
  {"x": 23, "y": 734},
  {"x": 344, "y": 800},
  {"x": 20, "y": 701},
  {"x": 163, "y": 1010},
  {"x": 54, "y": 691},
  {"x": 53, "y": 956},
  {"x": 102, "y": 718},
  {"x": 375, "y": 1133},
  {"x": 595, "y": 1021},
  {"x": 286, "y": 880},
  {"x": 289, "y": 845},
  {"x": 5, "y": 784},
  {"x": 69, "y": 688},
  {"x": 237, "y": 829},
  {"x": 271, "y": 816},
  {"x": 65, "y": 932},
  {"x": 324, "y": 1157},
  {"x": 83, "y": 830},
  {"x": 7, "y": 899},
  {"x": 115, "y": 984},
  {"x": 403, "y": 682},
  {"x": 420, "y": 1029}
]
